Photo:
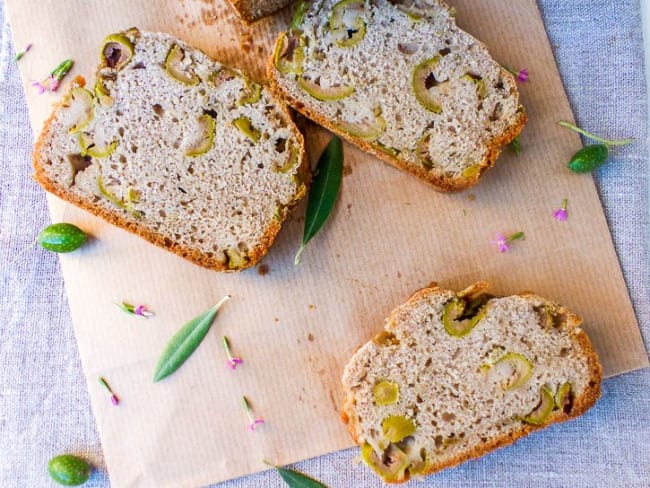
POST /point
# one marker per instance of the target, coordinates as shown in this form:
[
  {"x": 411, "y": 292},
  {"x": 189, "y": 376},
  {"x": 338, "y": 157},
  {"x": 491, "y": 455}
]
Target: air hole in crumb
[
  {"x": 448, "y": 417},
  {"x": 134, "y": 148},
  {"x": 157, "y": 108},
  {"x": 438, "y": 441},
  {"x": 139, "y": 65},
  {"x": 281, "y": 145},
  {"x": 444, "y": 52},
  {"x": 564, "y": 352},
  {"x": 120, "y": 131},
  {"x": 162, "y": 213},
  {"x": 428, "y": 362},
  {"x": 407, "y": 49},
  {"x": 260, "y": 166}
]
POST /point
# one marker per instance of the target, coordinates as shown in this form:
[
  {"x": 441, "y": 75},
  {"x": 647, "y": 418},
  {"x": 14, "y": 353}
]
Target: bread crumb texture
[
  {"x": 454, "y": 376},
  {"x": 400, "y": 80},
  {"x": 186, "y": 152}
]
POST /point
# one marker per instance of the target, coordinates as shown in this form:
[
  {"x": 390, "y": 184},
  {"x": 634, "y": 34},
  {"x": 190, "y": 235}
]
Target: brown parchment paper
[{"x": 296, "y": 327}]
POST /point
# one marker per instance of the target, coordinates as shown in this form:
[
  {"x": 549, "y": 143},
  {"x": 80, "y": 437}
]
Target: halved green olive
[
  {"x": 481, "y": 87},
  {"x": 289, "y": 54},
  {"x": 391, "y": 151},
  {"x": 326, "y": 94},
  {"x": 471, "y": 171},
  {"x": 424, "y": 83},
  {"x": 173, "y": 61},
  {"x": 512, "y": 371},
  {"x": 422, "y": 151},
  {"x": 385, "y": 393},
  {"x": 391, "y": 466},
  {"x": 102, "y": 94},
  {"x": 451, "y": 318},
  {"x": 89, "y": 148},
  {"x": 208, "y": 126},
  {"x": 117, "y": 51},
  {"x": 292, "y": 162},
  {"x": 564, "y": 398},
  {"x": 541, "y": 412},
  {"x": 396, "y": 428},
  {"x": 235, "y": 259},
  {"x": 346, "y": 23},
  {"x": 118, "y": 202},
  {"x": 246, "y": 127},
  {"x": 252, "y": 93},
  {"x": 368, "y": 130},
  {"x": 80, "y": 109}
]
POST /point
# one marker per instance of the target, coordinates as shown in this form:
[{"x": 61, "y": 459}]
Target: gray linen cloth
[{"x": 44, "y": 406}]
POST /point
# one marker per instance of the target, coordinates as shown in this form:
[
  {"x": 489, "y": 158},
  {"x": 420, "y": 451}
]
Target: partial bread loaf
[
  {"x": 400, "y": 80},
  {"x": 456, "y": 375},
  {"x": 252, "y": 10},
  {"x": 179, "y": 149}
]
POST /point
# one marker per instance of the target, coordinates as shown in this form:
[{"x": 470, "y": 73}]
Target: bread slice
[
  {"x": 401, "y": 81},
  {"x": 252, "y": 10},
  {"x": 179, "y": 149},
  {"x": 456, "y": 375}
]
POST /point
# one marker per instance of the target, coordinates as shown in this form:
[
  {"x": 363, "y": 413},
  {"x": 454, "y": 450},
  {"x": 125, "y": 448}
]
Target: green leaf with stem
[
  {"x": 294, "y": 479},
  {"x": 185, "y": 342},
  {"x": 323, "y": 193}
]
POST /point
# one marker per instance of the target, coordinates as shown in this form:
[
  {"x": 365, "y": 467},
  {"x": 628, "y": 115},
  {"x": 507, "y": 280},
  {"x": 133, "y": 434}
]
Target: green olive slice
[
  {"x": 385, "y": 393},
  {"x": 454, "y": 325},
  {"x": 289, "y": 54},
  {"x": 346, "y": 23},
  {"x": 252, "y": 93},
  {"x": 235, "y": 259},
  {"x": 292, "y": 162},
  {"x": 246, "y": 127},
  {"x": 422, "y": 152},
  {"x": 424, "y": 85},
  {"x": 89, "y": 148},
  {"x": 117, "y": 51},
  {"x": 391, "y": 465},
  {"x": 102, "y": 94},
  {"x": 368, "y": 129},
  {"x": 326, "y": 94},
  {"x": 207, "y": 125},
  {"x": 173, "y": 62},
  {"x": 511, "y": 371},
  {"x": 80, "y": 110},
  {"x": 564, "y": 398},
  {"x": 481, "y": 87},
  {"x": 472, "y": 171},
  {"x": 541, "y": 412},
  {"x": 396, "y": 428}
]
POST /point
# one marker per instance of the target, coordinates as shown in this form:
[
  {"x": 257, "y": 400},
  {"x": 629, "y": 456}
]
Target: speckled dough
[
  {"x": 477, "y": 101},
  {"x": 446, "y": 385},
  {"x": 221, "y": 207}
]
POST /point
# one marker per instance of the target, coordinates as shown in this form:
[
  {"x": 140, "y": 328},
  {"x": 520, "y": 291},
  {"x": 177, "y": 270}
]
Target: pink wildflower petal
[
  {"x": 523, "y": 75},
  {"x": 39, "y": 86},
  {"x": 501, "y": 242},
  {"x": 232, "y": 363},
  {"x": 253, "y": 425},
  {"x": 114, "y": 400},
  {"x": 560, "y": 214},
  {"x": 54, "y": 84}
]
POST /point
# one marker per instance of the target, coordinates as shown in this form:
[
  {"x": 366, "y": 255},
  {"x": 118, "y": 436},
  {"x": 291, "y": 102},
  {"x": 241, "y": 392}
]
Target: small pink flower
[
  {"x": 253, "y": 421},
  {"x": 54, "y": 83},
  {"x": 561, "y": 213},
  {"x": 502, "y": 240},
  {"x": 522, "y": 76},
  {"x": 114, "y": 400},
  {"x": 232, "y": 363},
  {"x": 39, "y": 87}
]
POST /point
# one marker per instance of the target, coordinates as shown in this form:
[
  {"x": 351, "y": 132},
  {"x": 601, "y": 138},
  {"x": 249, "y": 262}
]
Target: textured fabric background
[{"x": 44, "y": 407}]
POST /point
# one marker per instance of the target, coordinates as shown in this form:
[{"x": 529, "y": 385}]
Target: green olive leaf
[
  {"x": 515, "y": 145},
  {"x": 294, "y": 479},
  {"x": 185, "y": 342},
  {"x": 324, "y": 192}
]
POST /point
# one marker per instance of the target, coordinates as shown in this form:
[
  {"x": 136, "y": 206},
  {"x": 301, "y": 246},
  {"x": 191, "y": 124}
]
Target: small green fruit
[
  {"x": 589, "y": 158},
  {"x": 69, "y": 470},
  {"x": 62, "y": 237}
]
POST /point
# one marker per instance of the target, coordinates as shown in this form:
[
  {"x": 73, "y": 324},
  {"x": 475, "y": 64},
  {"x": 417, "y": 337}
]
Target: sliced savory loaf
[
  {"x": 252, "y": 10},
  {"x": 456, "y": 375},
  {"x": 400, "y": 80},
  {"x": 179, "y": 149}
]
